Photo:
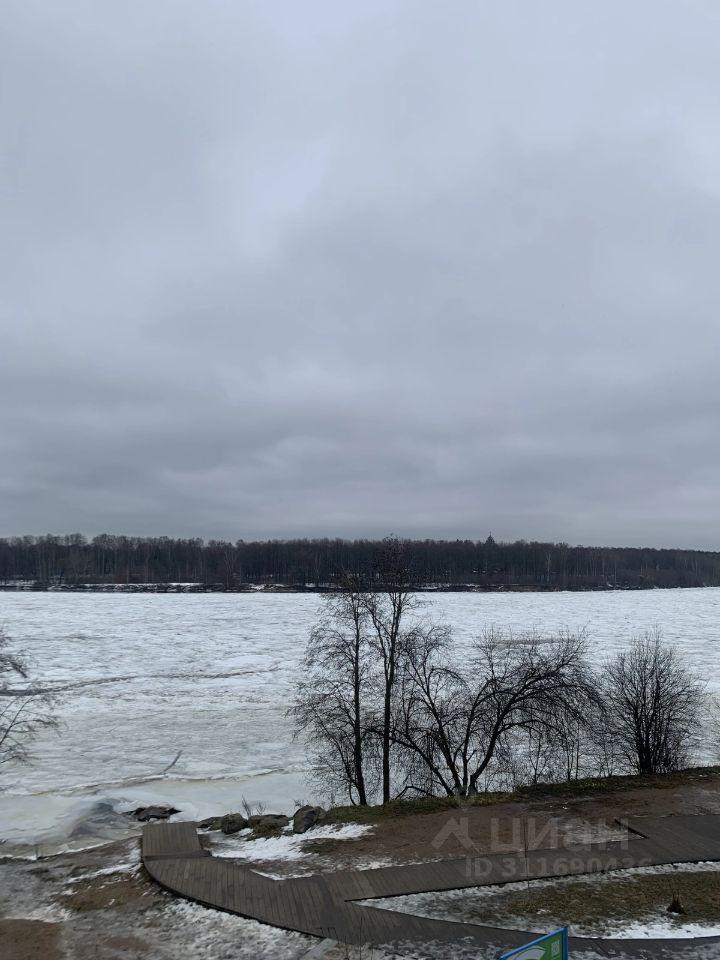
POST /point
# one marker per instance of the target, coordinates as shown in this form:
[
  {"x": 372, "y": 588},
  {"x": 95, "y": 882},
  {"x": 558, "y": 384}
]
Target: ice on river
[{"x": 141, "y": 677}]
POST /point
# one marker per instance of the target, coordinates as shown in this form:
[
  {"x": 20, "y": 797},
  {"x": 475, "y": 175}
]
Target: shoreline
[{"x": 87, "y": 832}]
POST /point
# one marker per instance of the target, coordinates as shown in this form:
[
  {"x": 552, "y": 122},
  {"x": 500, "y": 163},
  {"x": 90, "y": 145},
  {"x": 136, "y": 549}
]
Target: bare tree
[
  {"x": 430, "y": 713},
  {"x": 387, "y": 609},
  {"x": 652, "y": 705},
  {"x": 570, "y": 742},
  {"x": 348, "y": 698},
  {"x": 335, "y": 696},
  {"x": 455, "y": 721},
  {"x": 24, "y": 711}
]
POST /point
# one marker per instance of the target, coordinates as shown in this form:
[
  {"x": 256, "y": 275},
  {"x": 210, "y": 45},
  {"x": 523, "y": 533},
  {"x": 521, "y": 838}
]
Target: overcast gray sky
[{"x": 281, "y": 268}]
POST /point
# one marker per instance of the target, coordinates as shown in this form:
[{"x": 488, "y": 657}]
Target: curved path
[{"x": 324, "y": 905}]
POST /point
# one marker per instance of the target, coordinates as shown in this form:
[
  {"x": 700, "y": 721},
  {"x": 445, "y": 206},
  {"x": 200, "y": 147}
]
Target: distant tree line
[{"x": 217, "y": 564}]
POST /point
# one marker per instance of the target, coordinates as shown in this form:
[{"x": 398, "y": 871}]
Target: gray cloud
[{"x": 293, "y": 269}]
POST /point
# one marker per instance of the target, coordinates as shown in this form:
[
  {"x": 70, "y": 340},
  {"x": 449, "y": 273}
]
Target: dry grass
[
  {"x": 595, "y": 905},
  {"x": 573, "y": 789},
  {"x": 114, "y": 890}
]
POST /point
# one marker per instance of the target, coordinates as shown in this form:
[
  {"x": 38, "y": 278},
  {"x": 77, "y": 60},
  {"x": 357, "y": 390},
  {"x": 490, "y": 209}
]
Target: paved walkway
[{"x": 324, "y": 905}]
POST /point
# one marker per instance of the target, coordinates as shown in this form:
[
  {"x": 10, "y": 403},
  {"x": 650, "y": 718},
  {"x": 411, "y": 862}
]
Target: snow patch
[
  {"x": 129, "y": 867},
  {"x": 289, "y": 846},
  {"x": 215, "y": 934},
  {"x": 661, "y": 929}
]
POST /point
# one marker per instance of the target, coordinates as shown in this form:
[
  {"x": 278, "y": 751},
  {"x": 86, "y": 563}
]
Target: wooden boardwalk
[{"x": 324, "y": 905}]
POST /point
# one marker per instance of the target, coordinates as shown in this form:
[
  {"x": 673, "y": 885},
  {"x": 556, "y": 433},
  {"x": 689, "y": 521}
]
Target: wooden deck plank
[{"x": 324, "y": 905}]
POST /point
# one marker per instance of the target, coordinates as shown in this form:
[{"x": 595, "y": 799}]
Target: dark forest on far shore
[{"x": 73, "y": 561}]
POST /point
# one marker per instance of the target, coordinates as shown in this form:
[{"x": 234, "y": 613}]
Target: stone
[
  {"x": 211, "y": 823},
  {"x": 143, "y": 814},
  {"x": 306, "y": 817},
  {"x": 233, "y": 823},
  {"x": 266, "y": 820}
]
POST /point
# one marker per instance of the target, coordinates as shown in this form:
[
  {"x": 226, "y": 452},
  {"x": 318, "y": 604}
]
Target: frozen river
[{"x": 142, "y": 677}]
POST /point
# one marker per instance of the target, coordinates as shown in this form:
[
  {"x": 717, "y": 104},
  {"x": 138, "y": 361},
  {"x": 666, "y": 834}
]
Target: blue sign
[{"x": 553, "y": 946}]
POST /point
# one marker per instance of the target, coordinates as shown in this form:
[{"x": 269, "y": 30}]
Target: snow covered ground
[
  {"x": 287, "y": 846},
  {"x": 125, "y": 913},
  {"x": 141, "y": 677}
]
